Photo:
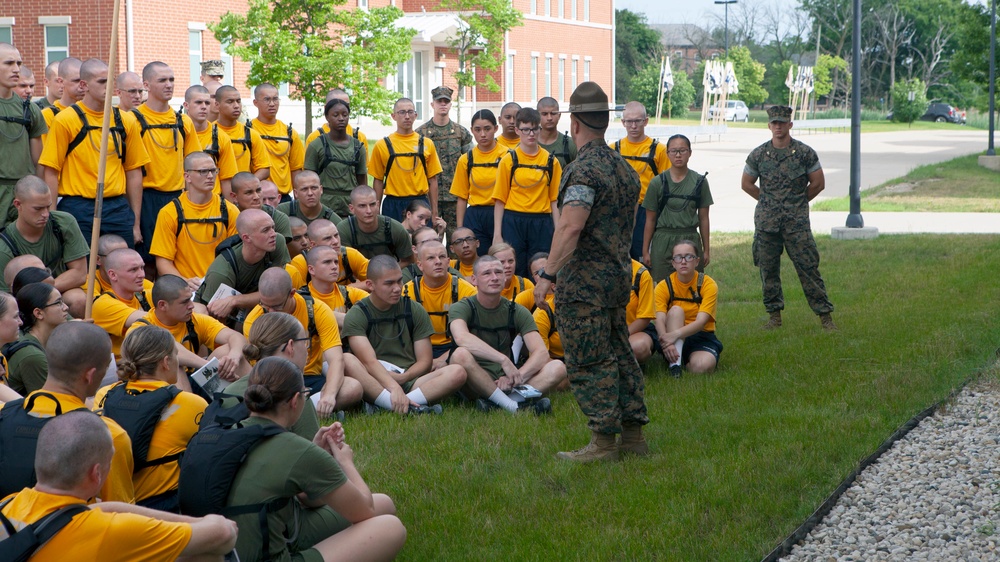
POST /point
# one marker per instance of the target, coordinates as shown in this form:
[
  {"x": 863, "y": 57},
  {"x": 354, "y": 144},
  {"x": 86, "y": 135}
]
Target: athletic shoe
[
  {"x": 542, "y": 406},
  {"x": 436, "y": 409},
  {"x": 485, "y": 406},
  {"x": 675, "y": 371},
  {"x": 370, "y": 409}
]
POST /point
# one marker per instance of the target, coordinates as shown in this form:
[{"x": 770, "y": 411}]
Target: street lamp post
[
  {"x": 993, "y": 73},
  {"x": 854, "y": 219},
  {"x": 726, "y": 3}
]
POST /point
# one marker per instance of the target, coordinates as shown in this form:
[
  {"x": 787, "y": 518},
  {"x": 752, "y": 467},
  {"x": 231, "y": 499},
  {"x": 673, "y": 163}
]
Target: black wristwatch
[{"x": 544, "y": 275}]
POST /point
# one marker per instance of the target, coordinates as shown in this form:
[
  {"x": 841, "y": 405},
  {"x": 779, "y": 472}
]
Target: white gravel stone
[{"x": 933, "y": 496}]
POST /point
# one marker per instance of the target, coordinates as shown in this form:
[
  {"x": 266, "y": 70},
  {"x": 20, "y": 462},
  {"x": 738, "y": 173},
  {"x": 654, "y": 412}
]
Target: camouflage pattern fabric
[
  {"x": 451, "y": 141},
  {"x": 603, "y": 373},
  {"x": 782, "y": 222}
]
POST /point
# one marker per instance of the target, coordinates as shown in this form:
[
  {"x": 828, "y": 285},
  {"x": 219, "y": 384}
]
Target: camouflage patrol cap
[
  {"x": 442, "y": 92},
  {"x": 213, "y": 68},
  {"x": 780, "y": 113},
  {"x": 588, "y": 97}
]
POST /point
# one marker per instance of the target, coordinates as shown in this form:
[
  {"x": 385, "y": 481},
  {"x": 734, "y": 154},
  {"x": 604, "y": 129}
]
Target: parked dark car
[{"x": 942, "y": 113}]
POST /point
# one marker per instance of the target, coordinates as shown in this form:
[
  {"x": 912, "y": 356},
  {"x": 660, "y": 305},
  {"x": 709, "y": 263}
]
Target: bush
[
  {"x": 645, "y": 89},
  {"x": 905, "y": 110}
]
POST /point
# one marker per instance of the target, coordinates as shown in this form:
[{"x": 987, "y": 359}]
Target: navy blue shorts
[
  {"x": 440, "y": 350},
  {"x": 479, "y": 220},
  {"x": 152, "y": 201},
  {"x": 284, "y": 198},
  {"x": 528, "y": 234},
  {"x": 116, "y": 216},
  {"x": 394, "y": 207},
  {"x": 702, "y": 341},
  {"x": 640, "y": 225},
  {"x": 651, "y": 332},
  {"x": 314, "y": 382}
]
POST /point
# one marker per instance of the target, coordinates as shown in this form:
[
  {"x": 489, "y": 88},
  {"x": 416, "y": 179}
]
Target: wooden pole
[
  {"x": 102, "y": 162},
  {"x": 659, "y": 92}
]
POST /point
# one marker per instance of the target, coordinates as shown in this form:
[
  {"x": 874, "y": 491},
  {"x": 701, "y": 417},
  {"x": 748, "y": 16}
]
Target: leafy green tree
[
  {"x": 750, "y": 74},
  {"x": 774, "y": 82},
  {"x": 645, "y": 88},
  {"x": 905, "y": 110},
  {"x": 824, "y": 71},
  {"x": 479, "y": 45},
  {"x": 637, "y": 46},
  {"x": 969, "y": 63},
  {"x": 316, "y": 45}
]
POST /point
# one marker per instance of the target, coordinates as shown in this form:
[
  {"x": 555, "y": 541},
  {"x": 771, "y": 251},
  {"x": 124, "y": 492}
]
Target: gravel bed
[{"x": 933, "y": 496}]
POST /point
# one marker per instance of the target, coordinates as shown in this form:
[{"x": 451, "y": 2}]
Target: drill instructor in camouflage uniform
[
  {"x": 790, "y": 177},
  {"x": 451, "y": 141},
  {"x": 590, "y": 256}
]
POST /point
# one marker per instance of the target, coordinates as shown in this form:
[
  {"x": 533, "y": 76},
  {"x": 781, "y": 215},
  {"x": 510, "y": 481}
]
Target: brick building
[
  {"x": 687, "y": 44},
  {"x": 562, "y": 43}
]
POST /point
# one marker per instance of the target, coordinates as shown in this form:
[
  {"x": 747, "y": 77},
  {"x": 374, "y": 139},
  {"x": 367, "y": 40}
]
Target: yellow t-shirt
[
  {"x": 640, "y": 305},
  {"x": 118, "y": 486},
  {"x": 646, "y": 173},
  {"x": 101, "y": 287},
  {"x": 96, "y": 535},
  {"x": 437, "y": 302},
  {"x": 193, "y": 250},
  {"x": 111, "y": 313},
  {"x": 508, "y": 144},
  {"x": 327, "y": 336},
  {"x": 206, "y": 328},
  {"x": 248, "y": 159},
  {"x": 325, "y": 129},
  {"x": 709, "y": 296},
  {"x": 78, "y": 169},
  {"x": 530, "y": 190},
  {"x": 549, "y": 333},
  {"x": 177, "y": 425},
  {"x": 463, "y": 270},
  {"x": 226, "y": 161},
  {"x": 513, "y": 288},
  {"x": 407, "y": 177},
  {"x": 286, "y": 154},
  {"x": 166, "y": 148},
  {"x": 299, "y": 269},
  {"x": 479, "y": 191},
  {"x": 335, "y": 299},
  {"x": 49, "y": 116}
]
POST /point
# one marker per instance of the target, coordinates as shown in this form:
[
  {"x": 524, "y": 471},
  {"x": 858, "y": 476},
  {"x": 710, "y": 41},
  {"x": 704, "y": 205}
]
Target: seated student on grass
[
  {"x": 353, "y": 266},
  {"x": 20, "y": 263},
  {"x": 324, "y": 270},
  {"x": 74, "y": 453},
  {"x": 106, "y": 244},
  {"x": 31, "y": 275},
  {"x": 127, "y": 301},
  {"x": 147, "y": 373},
  {"x": 465, "y": 246},
  {"x": 527, "y": 298},
  {"x": 513, "y": 284},
  {"x": 340, "y": 159},
  {"x": 390, "y": 334},
  {"x": 325, "y": 371},
  {"x": 475, "y": 177},
  {"x": 198, "y": 337},
  {"x": 10, "y": 323},
  {"x": 42, "y": 309},
  {"x": 418, "y": 214},
  {"x": 485, "y": 325},
  {"x": 189, "y": 228},
  {"x": 640, "y": 313},
  {"x": 308, "y": 205},
  {"x": 298, "y": 242},
  {"x": 685, "y": 314},
  {"x": 332, "y": 514},
  {"x": 437, "y": 289},
  {"x": 373, "y": 234},
  {"x": 240, "y": 267},
  {"x": 53, "y": 236},
  {"x": 247, "y": 194},
  {"x": 423, "y": 235}
]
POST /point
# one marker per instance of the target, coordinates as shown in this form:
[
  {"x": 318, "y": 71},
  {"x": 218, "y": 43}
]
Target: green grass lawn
[
  {"x": 959, "y": 185},
  {"x": 742, "y": 456}
]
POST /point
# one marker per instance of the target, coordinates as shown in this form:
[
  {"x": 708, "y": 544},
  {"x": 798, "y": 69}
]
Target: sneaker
[
  {"x": 827, "y": 322},
  {"x": 484, "y": 405},
  {"x": 435, "y": 409},
  {"x": 774, "y": 321},
  {"x": 370, "y": 409},
  {"x": 675, "y": 371},
  {"x": 540, "y": 406}
]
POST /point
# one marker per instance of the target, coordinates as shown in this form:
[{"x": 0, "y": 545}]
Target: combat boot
[
  {"x": 827, "y": 322},
  {"x": 774, "y": 321},
  {"x": 602, "y": 447},
  {"x": 633, "y": 442}
]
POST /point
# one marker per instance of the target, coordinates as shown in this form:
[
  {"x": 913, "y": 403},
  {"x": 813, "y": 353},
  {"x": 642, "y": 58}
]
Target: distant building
[{"x": 687, "y": 45}]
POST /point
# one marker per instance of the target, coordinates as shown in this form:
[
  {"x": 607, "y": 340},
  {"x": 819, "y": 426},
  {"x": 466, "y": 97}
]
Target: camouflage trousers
[
  {"x": 801, "y": 248},
  {"x": 603, "y": 373}
]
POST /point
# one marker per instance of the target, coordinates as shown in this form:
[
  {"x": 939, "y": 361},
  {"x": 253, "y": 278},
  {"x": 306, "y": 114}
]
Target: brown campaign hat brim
[{"x": 587, "y": 108}]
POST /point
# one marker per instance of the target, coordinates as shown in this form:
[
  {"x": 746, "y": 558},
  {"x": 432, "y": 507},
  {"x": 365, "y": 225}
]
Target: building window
[
  {"x": 573, "y": 74},
  {"x": 586, "y": 70},
  {"x": 586, "y": 10},
  {"x": 410, "y": 81},
  {"x": 534, "y": 78},
  {"x": 572, "y": 10},
  {"x": 548, "y": 76},
  {"x": 56, "y": 43},
  {"x": 194, "y": 54},
  {"x": 533, "y": 7},
  {"x": 562, "y": 78},
  {"x": 548, "y": 8},
  {"x": 227, "y": 63},
  {"x": 363, "y": 4},
  {"x": 560, "y": 3},
  {"x": 510, "y": 77},
  {"x": 6, "y": 34}
]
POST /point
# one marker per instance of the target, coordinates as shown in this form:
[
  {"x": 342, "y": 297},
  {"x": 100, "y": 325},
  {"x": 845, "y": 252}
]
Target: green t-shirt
[
  {"x": 563, "y": 148},
  {"x": 303, "y": 468},
  {"x": 292, "y": 208},
  {"x": 281, "y": 225},
  {"x": 678, "y": 212},
  {"x": 307, "y": 424},
  {"x": 28, "y": 368},
  {"x": 388, "y": 331},
  {"x": 53, "y": 253},
  {"x": 347, "y": 162},
  {"x": 246, "y": 276},
  {"x": 15, "y": 150},
  {"x": 492, "y": 325},
  {"x": 376, "y": 243}
]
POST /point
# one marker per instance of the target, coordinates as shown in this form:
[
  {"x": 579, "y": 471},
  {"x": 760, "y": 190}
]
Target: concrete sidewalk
[{"x": 732, "y": 220}]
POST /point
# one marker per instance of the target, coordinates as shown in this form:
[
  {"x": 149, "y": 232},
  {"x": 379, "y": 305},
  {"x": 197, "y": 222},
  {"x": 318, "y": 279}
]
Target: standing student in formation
[
  {"x": 509, "y": 139},
  {"x": 212, "y": 141},
  {"x": 475, "y": 178},
  {"x": 250, "y": 152},
  {"x": 284, "y": 147},
  {"x": 340, "y": 159},
  {"x": 558, "y": 144},
  {"x": 647, "y": 156}
]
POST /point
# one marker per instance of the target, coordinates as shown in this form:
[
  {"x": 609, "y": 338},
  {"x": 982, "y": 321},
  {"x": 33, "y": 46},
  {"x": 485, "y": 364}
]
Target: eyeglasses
[
  {"x": 134, "y": 91},
  {"x": 406, "y": 113},
  {"x": 306, "y": 339},
  {"x": 632, "y": 122},
  {"x": 205, "y": 172},
  {"x": 531, "y": 131},
  {"x": 272, "y": 307},
  {"x": 305, "y": 392},
  {"x": 462, "y": 241},
  {"x": 679, "y": 151},
  {"x": 57, "y": 302},
  {"x": 684, "y": 258},
  {"x": 269, "y": 101}
]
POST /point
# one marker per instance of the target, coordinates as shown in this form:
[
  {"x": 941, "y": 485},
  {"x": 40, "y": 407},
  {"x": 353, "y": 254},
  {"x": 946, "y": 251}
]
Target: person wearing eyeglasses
[
  {"x": 197, "y": 105},
  {"x": 685, "y": 314},
  {"x": 647, "y": 156},
  {"x": 128, "y": 88},
  {"x": 527, "y": 186},
  {"x": 42, "y": 309},
  {"x": 676, "y": 207},
  {"x": 465, "y": 245},
  {"x": 405, "y": 165},
  {"x": 285, "y": 149}
]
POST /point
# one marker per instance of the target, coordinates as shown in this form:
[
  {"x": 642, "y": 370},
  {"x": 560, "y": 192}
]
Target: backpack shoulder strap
[
  {"x": 180, "y": 215},
  {"x": 390, "y": 160},
  {"x": 9, "y": 242},
  {"x": 387, "y": 229},
  {"x": 638, "y": 278},
  {"x": 652, "y": 156}
]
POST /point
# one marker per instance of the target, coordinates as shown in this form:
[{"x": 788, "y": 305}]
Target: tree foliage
[
  {"x": 637, "y": 46},
  {"x": 645, "y": 88},
  {"x": 824, "y": 71},
  {"x": 905, "y": 110},
  {"x": 479, "y": 44},
  {"x": 316, "y": 45},
  {"x": 750, "y": 74}
]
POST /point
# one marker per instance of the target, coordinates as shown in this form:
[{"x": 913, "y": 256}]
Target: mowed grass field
[{"x": 740, "y": 457}]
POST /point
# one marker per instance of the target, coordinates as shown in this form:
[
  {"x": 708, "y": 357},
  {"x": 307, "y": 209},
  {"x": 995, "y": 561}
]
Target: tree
[
  {"x": 824, "y": 71},
  {"x": 316, "y": 46},
  {"x": 750, "y": 75},
  {"x": 645, "y": 86},
  {"x": 636, "y": 46},
  {"x": 905, "y": 110},
  {"x": 479, "y": 44}
]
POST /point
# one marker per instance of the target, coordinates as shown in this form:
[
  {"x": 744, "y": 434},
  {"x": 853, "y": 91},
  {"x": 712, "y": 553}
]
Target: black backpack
[
  {"x": 287, "y": 138},
  {"x": 345, "y": 265},
  {"x": 473, "y": 164},
  {"x": 138, "y": 413},
  {"x": 419, "y": 154},
  {"x": 213, "y": 149},
  {"x": 141, "y": 296},
  {"x": 454, "y": 299},
  {"x": 14, "y": 251},
  {"x": 510, "y": 328},
  {"x": 227, "y": 249},
  {"x": 563, "y": 154},
  {"x": 665, "y": 194},
  {"x": 25, "y": 120},
  {"x": 18, "y": 442},
  {"x": 293, "y": 210},
  {"x": 695, "y": 294},
  {"x": 246, "y": 141},
  {"x": 649, "y": 159},
  {"x": 407, "y": 316},
  {"x": 20, "y": 546},
  {"x": 222, "y": 219},
  {"x": 10, "y": 349},
  {"x": 548, "y": 168},
  {"x": 116, "y": 132},
  {"x": 386, "y": 230},
  {"x": 328, "y": 157},
  {"x": 310, "y": 306},
  {"x": 638, "y": 278}
]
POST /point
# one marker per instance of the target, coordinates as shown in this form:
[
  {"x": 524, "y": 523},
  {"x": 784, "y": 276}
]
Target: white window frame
[
  {"x": 586, "y": 10},
  {"x": 8, "y": 25},
  {"x": 572, "y": 9},
  {"x": 562, "y": 77},
  {"x": 533, "y": 7},
  {"x": 534, "y": 77},
  {"x": 52, "y": 22},
  {"x": 586, "y": 69},
  {"x": 548, "y": 75},
  {"x": 510, "y": 75},
  {"x": 195, "y": 57},
  {"x": 575, "y": 71},
  {"x": 561, "y": 6},
  {"x": 227, "y": 63}
]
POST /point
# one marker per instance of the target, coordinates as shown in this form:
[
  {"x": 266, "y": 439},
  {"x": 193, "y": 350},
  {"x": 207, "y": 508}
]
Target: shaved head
[
  {"x": 123, "y": 79},
  {"x": 635, "y": 110},
  {"x": 91, "y": 68},
  {"x": 69, "y": 67},
  {"x": 275, "y": 283},
  {"x": 318, "y": 227},
  {"x": 149, "y": 71},
  {"x": 249, "y": 220}
]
